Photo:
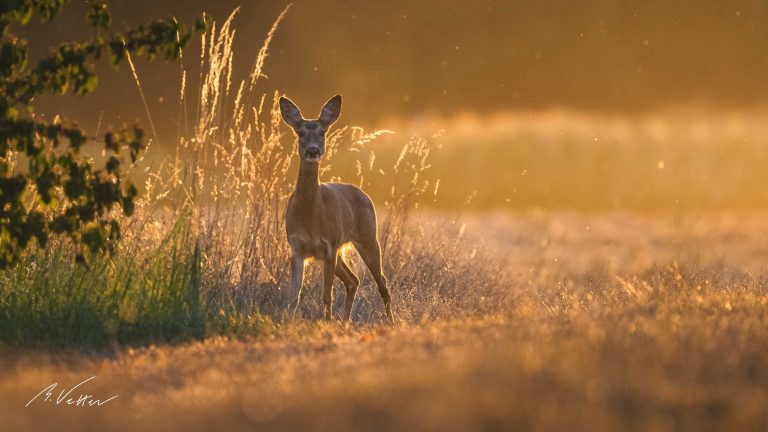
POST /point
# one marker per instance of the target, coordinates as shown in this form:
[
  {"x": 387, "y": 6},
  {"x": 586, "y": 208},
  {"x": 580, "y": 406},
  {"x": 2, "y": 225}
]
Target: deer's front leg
[
  {"x": 329, "y": 272},
  {"x": 297, "y": 276}
]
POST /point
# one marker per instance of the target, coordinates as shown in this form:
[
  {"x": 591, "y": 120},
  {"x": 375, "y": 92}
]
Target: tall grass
[
  {"x": 143, "y": 293},
  {"x": 206, "y": 253}
]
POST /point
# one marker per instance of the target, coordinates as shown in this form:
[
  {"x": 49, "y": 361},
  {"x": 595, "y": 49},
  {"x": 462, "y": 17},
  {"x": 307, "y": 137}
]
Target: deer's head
[{"x": 311, "y": 133}]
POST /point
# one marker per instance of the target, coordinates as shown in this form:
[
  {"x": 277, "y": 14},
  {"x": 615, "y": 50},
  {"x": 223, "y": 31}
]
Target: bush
[{"x": 59, "y": 192}]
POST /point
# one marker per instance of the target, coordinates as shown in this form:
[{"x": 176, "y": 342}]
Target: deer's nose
[{"x": 313, "y": 152}]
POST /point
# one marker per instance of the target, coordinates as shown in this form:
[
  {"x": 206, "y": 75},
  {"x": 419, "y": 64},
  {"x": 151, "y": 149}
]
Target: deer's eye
[{"x": 301, "y": 134}]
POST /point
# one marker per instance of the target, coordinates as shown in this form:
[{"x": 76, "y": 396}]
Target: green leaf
[{"x": 90, "y": 84}]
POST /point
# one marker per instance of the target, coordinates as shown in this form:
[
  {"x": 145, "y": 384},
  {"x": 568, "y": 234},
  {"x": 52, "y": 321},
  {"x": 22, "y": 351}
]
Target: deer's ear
[
  {"x": 290, "y": 112},
  {"x": 331, "y": 111}
]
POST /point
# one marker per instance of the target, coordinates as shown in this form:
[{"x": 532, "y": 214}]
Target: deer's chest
[
  {"x": 310, "y": 246},
  {"x": 312, "y": 231}
]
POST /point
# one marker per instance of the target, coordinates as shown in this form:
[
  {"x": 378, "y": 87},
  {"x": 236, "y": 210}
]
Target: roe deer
[{"x": 323, "y": 217}]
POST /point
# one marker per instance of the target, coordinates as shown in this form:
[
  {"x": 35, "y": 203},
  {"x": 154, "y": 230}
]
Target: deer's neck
[{"x": 308, "y": 185}]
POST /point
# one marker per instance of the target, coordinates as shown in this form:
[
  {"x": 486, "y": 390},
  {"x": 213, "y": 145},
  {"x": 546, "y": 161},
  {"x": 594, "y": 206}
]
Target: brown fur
[{"x": 323, "y": 217}]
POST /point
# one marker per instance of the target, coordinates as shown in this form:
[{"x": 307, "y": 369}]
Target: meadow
[
  {"x": 550, "y": 270},
  {"x": 637, "y": 323}
]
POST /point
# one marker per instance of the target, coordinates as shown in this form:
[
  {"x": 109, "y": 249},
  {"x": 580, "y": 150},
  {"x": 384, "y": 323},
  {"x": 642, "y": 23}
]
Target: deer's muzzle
[{"x": 312, "y": 154}]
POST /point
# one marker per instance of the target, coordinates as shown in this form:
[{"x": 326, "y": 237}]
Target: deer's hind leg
[
  {"x": 370, "y": 252},
  {"x": 351, "y": 282}
]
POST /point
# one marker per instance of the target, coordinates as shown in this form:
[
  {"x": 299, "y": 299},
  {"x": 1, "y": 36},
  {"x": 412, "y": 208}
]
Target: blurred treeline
[{"x": 399, "y": 58}]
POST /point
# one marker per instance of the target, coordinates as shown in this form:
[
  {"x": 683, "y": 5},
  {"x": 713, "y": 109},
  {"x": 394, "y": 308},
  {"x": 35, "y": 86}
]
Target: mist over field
[{"x": 572, "y": 208}]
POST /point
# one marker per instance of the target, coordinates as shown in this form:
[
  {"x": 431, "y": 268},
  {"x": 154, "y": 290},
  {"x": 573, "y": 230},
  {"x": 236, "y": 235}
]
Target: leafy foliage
[{"x": 59, "y": 191}]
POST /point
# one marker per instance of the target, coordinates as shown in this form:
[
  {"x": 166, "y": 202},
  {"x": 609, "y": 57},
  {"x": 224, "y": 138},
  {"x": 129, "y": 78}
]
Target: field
[
  {"x": 551, "y": 269},
  {"x": 611, "y": 321}
]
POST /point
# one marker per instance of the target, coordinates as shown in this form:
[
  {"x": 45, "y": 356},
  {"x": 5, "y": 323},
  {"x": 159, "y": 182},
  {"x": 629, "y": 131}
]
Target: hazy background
[
  {"x": 396, "y": 58},
  {"x": 589, "y": 104}
]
